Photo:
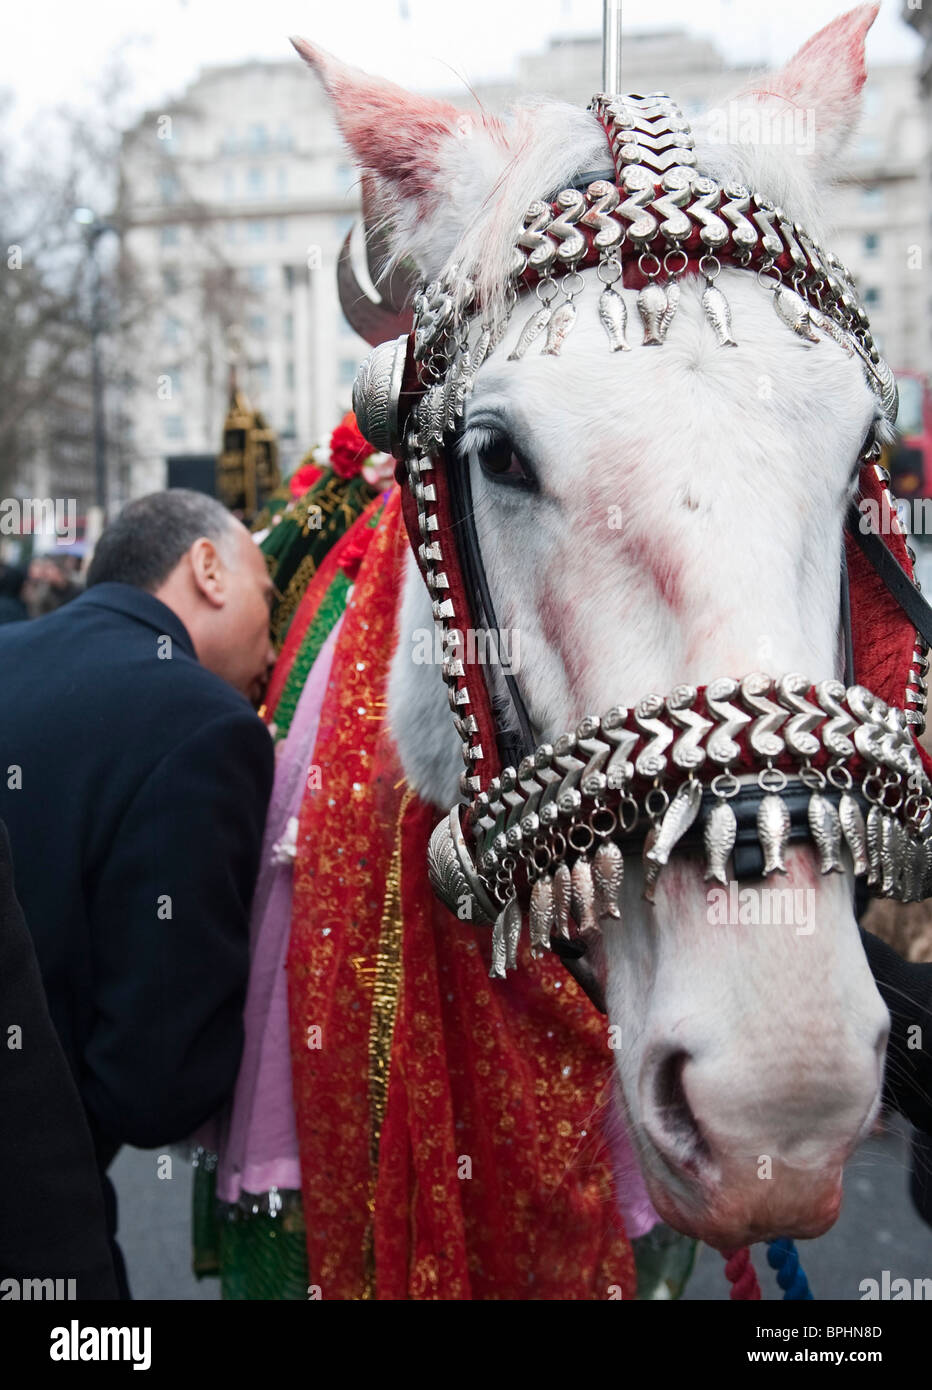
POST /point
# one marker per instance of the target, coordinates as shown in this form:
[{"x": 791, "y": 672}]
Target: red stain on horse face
[{"x": 653, "y": 557}]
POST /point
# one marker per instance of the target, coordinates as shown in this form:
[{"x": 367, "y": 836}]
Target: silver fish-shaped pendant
[
  {"x": 583, "y": 900},
  {"x": 854, "y": 831},
  {"x": 677, "y": 818},
  {"x": 874, "y": 818},
  {"x": 608, "y": 877},
  {"x": 651, "y": 867},
  {"x": 531, "y": 330},
  {"x": 919, "y": 870},
  {"x": 825, "y": 828},
  {"x": 902, "y": 851},
  {"x": 718, "y": 836},
  {"x": 652, "y": 305},
  {"x": 559, "y": 327},
  {"x": 513, "y": 920},
  {"x": 794, "y": 311},
  {"x": 613, "y": 316},
  {"x": 541, "y": 914},
  {"x": 773, "y": 831},
  {"x": 912, "y": 874},
  {"x": 672, "y": 292},
  {"x": 889, "y": 856},
  {"x": 718, "y": 312},
  {"x": 497, "y": 971},
  {"x": 562, "y": 897}
]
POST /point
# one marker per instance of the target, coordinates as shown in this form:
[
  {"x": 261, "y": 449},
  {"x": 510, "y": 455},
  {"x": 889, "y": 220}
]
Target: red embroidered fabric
[{"x": 493, "y": 1178}]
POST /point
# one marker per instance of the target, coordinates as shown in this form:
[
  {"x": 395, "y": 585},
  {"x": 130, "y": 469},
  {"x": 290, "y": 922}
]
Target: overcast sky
[{"x": 53, "y": 49}]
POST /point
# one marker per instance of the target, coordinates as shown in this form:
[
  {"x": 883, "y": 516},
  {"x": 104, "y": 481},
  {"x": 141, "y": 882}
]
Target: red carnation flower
[
  {"x": 305, "y": 477},
  {"x": 348, "y": 449}
]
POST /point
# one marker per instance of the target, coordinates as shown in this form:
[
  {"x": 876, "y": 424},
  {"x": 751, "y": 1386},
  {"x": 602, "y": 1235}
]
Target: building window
[
  {"x": 231, "y": 231},
  {"x": 284, "y": 138},
  {"x": 288, "y": 328},
  {"x": 168, "y": 188},
  {"x": 171, "y": 284},
  {"x": 344, "y": 176},
  {"x": 173, "y": 425},
  {"x": 257, "y": 230},
  {"x": 872, "y": 197},
  {"x": 872, "y": 295},
  {"x": 289, "y": 375},
  {"x": 258, "y": 139},
  {"x": 260, "y": 376},
  {"x": 255, "y": 325},
  {"x": 173, "y": 375},
  {"x": 228, "y": 183},
  {"x": 281, "y": 181},
  {"x": 281, "y": 229},
  {"x": 869, "y": 147},
  {"x": 171, "y": 330},
  {"x": 255, "y": 276},
  {"x": 871, "y": 244},
  {"x": 170, "y": 236},
  {"x": 255, "y": 183},
  {"x": 348, "y": 369},
  {"x": 288, "y": 276},
  {"x": 343, "y": 224},
  {"x": 291, "y": 428}
]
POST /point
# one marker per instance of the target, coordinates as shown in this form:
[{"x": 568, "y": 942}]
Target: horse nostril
[{"x": 682, "y": 1140}]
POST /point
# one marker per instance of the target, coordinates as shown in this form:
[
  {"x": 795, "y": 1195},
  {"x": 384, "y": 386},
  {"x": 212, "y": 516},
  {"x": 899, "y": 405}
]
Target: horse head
[{"x": 651, "y": 518}]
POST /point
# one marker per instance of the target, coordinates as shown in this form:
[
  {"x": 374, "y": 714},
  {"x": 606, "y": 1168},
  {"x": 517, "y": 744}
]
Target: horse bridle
[{"x": 756, "y": 762}]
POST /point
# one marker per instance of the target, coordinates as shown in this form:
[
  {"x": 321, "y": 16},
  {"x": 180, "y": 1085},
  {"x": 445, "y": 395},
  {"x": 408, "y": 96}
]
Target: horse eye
[{"x": 500, "y": 461}]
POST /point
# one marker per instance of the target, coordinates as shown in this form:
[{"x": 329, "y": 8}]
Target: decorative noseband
[{"x": 549, "y": 836}]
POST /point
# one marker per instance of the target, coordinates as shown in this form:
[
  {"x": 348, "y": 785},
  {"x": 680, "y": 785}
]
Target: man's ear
[{"x": 208, "y": 571}]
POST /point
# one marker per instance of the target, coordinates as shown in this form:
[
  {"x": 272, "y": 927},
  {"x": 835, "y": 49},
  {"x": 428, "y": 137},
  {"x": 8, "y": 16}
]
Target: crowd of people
[{"x": 44, "y": 585}]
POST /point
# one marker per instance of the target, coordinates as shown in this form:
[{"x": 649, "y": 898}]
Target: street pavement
[{"x": 878, "y": 1229}]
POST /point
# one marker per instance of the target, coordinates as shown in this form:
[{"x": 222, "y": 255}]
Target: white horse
[{"x": 687, "y": 524}]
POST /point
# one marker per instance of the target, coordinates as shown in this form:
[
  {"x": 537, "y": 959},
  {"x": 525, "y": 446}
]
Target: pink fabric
[{"x": 258, "y": 1148}]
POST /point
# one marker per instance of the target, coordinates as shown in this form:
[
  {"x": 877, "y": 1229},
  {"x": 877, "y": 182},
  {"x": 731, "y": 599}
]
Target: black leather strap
[
  {"x": 891, "y": 572},
  {"x": 512, "y": 746}
]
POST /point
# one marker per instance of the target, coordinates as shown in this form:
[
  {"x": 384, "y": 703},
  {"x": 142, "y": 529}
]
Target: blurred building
[
  {"x": 920, "y": 17},
  {"x": 237, "y": 199}
]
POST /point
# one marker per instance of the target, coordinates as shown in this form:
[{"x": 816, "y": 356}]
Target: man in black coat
[
  {"x": 134, "y": 781},
  {"x": 52, "y": 1233}
]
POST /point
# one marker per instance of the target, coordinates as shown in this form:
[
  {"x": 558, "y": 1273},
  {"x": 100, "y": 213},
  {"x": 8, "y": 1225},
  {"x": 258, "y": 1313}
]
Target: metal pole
[
  {"x": 611, "y": 47},
  {"x": 97, "y": 379}
]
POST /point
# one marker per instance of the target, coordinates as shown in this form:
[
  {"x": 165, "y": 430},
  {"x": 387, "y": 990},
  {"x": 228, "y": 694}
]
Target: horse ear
[
  {"x": 825, "y": 79},
  {"x": 422, "y": 152}
]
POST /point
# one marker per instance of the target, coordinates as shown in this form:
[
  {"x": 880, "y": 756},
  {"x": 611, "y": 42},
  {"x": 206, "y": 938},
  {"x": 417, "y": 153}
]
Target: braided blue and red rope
[{"x": 783, "y": 1257}]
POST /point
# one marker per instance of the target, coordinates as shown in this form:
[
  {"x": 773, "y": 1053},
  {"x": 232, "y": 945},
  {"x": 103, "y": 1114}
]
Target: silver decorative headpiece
[{"x": 711, "y": 769}]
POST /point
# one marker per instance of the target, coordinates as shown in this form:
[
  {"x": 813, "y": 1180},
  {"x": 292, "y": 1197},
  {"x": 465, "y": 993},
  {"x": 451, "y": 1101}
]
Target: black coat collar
[{"x": 143, "y": 606}]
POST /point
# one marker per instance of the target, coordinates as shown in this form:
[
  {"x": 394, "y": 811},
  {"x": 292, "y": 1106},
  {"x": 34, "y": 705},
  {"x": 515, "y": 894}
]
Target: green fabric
[
  {"x": 205, "y": 1228},
  {"x": 324, "y": 621},
  {"x": 299, "y": 540},
  {"x": 263, "y": 1256},
  {"x": 319, "y": 629},
  {"x": 664, "y": 1261}
]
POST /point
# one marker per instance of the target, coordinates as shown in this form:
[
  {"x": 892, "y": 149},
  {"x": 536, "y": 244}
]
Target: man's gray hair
[{"x": 151, "y": 535}]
